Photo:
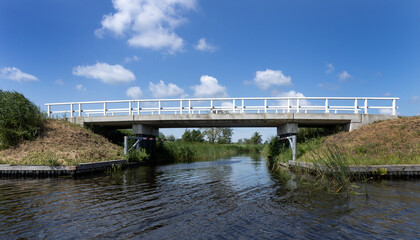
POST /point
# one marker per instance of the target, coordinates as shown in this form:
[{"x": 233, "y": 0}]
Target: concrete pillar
[
  {"x": 287, "y": 129},
  {"x": 146, "y": 131}
]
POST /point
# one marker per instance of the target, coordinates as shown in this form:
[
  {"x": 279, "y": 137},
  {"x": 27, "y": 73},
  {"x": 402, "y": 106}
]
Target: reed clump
[{"x": 183, "y": 152}]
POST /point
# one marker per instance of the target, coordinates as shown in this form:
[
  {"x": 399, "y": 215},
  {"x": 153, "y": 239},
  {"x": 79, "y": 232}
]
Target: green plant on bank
[
  {"x": 20, "y": 119},
  {"x": 137, "y": 155},
  {"x": 178, "y": 152},
  {"x": 42, "y": 158}
]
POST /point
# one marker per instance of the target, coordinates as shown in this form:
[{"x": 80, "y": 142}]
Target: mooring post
[{"x": 125, "y": 145}]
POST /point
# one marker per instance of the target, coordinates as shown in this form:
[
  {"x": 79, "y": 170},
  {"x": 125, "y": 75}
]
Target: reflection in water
[{"x": 233, "y": 198}]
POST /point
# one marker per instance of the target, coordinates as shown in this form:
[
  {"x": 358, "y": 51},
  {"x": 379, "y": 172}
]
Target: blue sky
[{"x": 58, "y": 51}]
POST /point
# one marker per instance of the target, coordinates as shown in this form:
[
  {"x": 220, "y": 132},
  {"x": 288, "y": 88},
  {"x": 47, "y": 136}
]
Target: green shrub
[
  {"x": 20, "y": 119},
  {"x": 137, "y": 156}
]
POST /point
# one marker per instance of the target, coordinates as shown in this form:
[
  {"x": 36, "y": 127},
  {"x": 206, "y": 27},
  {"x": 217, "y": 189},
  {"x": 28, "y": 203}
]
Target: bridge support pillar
[
  {"x": 145, "y": 131},
  {"x": 289, "y": 131}
]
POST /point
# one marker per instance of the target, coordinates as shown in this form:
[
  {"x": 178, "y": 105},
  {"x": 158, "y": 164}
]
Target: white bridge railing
[{"x": 364, "y": 105}]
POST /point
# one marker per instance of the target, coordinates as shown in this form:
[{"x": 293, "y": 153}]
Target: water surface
[{"x": 237, "y": 198}]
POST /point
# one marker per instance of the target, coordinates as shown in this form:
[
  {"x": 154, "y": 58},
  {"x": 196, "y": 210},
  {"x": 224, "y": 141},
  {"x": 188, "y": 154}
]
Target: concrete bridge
[{"x": 146, "y": 116}]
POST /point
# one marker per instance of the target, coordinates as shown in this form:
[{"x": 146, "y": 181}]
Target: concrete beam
[
  {"x": 141, "y": 129},
  {"x": 287, "y": 128}
]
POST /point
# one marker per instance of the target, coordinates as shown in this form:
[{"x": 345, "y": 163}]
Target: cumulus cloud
[
  {"x": 268, "y": 78},
  {"x": 131, "y": 59},
  {"x": 81, "y": 88},
  {"x": 329, "y": 68},
  {"x": 414, "y": 99},
  {"x": 209, "y": 87},
  {"x": 148, "y": 23},
  {"x": 162, "y": 90},
  {"x": 344, "y": 76},
  {"x": 202, "y": 45},
  {"x": 387, "y": 94},
  {"x": 385, "y": 111},
  {"x": 134, "y": 92},
  {"x": 110, "y": 74},
  {"x": 14, "y": 74},
  {"x": 291, "y": 94}
]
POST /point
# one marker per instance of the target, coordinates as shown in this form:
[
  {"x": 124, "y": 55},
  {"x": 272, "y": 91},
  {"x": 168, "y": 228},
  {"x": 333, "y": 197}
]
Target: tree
[
  {"x": 186, "y": 137},
  {"x": 212, "y": 134},
  {"x": 171, "y": 138},
  {"x": 219, "y": 135},
  {"x": 197, "y": 136},
  {"x": 225, "y": 136},
  {"x": 256, "y": 138}
]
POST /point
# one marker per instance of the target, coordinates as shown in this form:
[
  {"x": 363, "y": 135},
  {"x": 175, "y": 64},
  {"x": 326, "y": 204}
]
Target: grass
[
  {"x": 181, "y": 152},
  {"x": 387, "y": 142},
  {"x": 62, "y": 143}
]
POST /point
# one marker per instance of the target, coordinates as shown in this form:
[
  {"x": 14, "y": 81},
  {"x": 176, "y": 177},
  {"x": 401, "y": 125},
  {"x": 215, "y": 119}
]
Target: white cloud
[
  {"x": 202, "y": 45},
  {"x": 330, "y": 68},
  {"x": 344, "y": 76},
  {"x": 131, "y": 59},
  {"x": 110, "y": 74},
  {"x": 291, "y": 94},
  {"x": 414, "y": 99},
  {"x": 385, "y": 111},
  {"x": 387, "y": 94},
  {"x": 161, "y": 90},
  {"x": 14, "y": 74},
  {"x": 209, "y": 87},
  {"x": 134, "y": 92},
  {"x": 59, "y": 82},
  {"x": 148, "y": 23},
  {"x": 81, "y": 88},
  {"x": 268, "y": 78}
]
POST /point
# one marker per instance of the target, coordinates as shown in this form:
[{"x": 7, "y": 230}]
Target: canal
[{"x": 236, "y": 198}]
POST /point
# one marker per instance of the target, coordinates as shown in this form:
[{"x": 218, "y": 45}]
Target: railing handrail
[
  {"x": 235, "y": 105},
  {"x": 223, "y": 99}
]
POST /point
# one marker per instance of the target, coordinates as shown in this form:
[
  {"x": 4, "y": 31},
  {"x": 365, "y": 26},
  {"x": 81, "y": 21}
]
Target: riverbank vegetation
[
  {"x": 182, "y": 152},
  {"x": 387, "y": 142}
]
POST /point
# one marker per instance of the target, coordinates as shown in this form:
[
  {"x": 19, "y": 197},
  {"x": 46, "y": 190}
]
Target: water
[{"x": 236, "y": 198}]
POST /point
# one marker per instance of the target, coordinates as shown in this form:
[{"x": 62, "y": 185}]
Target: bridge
[{"x": 146, "y": 116}]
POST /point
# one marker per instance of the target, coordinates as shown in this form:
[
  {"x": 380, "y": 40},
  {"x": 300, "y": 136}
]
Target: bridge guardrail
[{"x": 224, "y": 105}]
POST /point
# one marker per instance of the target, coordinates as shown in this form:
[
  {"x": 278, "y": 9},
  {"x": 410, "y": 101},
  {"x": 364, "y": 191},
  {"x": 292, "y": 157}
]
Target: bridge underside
[{"x": 352, "y": 121}]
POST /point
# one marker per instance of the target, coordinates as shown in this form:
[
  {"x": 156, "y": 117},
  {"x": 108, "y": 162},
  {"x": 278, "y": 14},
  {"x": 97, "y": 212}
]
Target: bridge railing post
[
  {"x": 189, "y": 106},
  {"x": 160, "y": 107},
  {"x": 130, "y": 108},
  {"x": 265, "y": 105},
  {"x": 180, "y": 106},
  {"x": 233, "y": 105},
  {"x": 288, "y": 105},
  {"x": 49, "y": 110},
  {"x": 326, "y": 106},
  {"x": 355, "y": 105},
  {"x": 71, "y": 109},
  {"x": 243, "y": 106},
  {"x": 297, "y": 105},
  {"x": 104, "y": 108},
  {"x": 366, "y": 107},
  {"x": 394, "y": 110}
]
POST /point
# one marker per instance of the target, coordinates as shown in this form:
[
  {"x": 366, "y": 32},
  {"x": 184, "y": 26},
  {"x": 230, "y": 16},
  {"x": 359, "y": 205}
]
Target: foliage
[
  {"x": 219, "y": 135},
  {"x": 20, "y": 119},
  {"x": 192, "y": 136},
  {"x": 256, "y": 138},
  {"x": 137, "y": 155},
  {"x": 169, "y": 152}
]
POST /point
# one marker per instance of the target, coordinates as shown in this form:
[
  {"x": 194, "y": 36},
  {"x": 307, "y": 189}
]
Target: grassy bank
[
  {"x": 181, "y": 152},
  {"x": 387, "y": 142},
  {"x": 62, "y": 143}
]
